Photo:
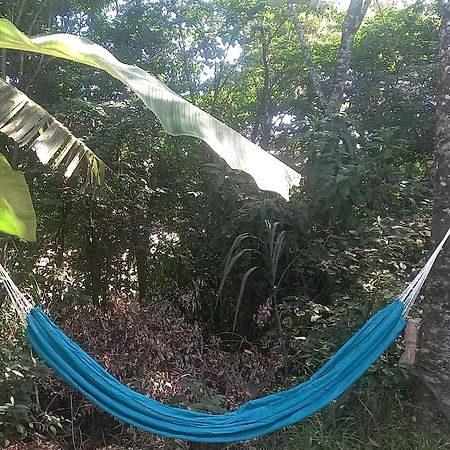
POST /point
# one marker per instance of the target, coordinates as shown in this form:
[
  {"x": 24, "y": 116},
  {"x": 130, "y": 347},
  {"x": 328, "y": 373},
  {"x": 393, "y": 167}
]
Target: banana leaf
[
  {"x": 17, "y": 215},
  {"x": 28, "y": 124},
  {"x": 177, "y": 116}
]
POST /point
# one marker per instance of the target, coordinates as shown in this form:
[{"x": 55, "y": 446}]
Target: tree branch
[{"x": 42, "y": 57}]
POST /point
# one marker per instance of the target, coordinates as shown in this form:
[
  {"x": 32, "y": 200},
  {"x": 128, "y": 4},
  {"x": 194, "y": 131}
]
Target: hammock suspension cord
[
  {"x": 410, "y": 294},
  {"x": 21, "y": 304}
]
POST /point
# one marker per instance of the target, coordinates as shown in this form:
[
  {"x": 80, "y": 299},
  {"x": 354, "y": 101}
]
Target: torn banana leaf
[
  {"x": 28, "y": 124},
  {"x": 178, "y": 116}
]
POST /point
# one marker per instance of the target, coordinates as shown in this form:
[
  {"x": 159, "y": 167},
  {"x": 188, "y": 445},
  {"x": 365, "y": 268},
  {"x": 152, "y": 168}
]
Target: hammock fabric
[{"x": 253, "y": 419}]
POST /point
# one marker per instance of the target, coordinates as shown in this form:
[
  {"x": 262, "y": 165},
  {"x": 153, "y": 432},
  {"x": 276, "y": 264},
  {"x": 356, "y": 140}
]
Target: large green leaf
[
  {"x": 27, "y": 123},
  {"x": 177, "y": 116},
  {"x": 17, "y": 215},
  {"x": 4, "y": 164}
]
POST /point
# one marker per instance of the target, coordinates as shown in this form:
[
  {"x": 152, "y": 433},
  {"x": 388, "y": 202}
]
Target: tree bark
[
  {"x": 434, "y": 358},
  {"x": 314, "y": 76},
  {"x": 262, "y": 120},
  {"x": 95, "y": 260},
  {"x": 140, "y": 243},
  {"x": 353, "y": 19},
  {"x": 3, "y": 64}
]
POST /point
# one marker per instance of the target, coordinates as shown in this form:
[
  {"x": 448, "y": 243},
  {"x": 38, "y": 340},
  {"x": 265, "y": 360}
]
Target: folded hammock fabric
[{"x": 255, "y": 418}]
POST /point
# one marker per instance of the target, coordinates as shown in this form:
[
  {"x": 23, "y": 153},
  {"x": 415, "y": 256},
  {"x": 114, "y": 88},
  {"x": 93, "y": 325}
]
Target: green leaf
[
  {"x": 4, "y": 164},
  {"x": 341, "y": 177},
  {"x": 228, "y": 268},
  {"x": 241, "y": 294},
  {"x": 178, "y": 116},
  {"x": 28, "y": 124},
  {"x": 176, "y": 400},
  {"x": 17, "y": 216}
]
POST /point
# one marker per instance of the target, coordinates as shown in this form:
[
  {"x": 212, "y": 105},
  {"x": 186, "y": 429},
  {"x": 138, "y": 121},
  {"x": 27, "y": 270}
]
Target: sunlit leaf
[
  {"x": 178, "y": 116},
  {"x": 28, "y": 124},
  {"x": 311, "y": 3},
  {"x": 17, "y": 215}
]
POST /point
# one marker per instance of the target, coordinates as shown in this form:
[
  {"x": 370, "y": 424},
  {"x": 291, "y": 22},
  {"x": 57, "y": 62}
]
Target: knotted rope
[{"x": 21, "y": 304}]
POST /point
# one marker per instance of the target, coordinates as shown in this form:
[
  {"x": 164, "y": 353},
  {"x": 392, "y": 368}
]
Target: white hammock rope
[
  {"x": 23, "y": 305},
  {"x": 410, "y": 294}
]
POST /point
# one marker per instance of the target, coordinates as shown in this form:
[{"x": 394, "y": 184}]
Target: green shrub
[{"x": 18, "y": 395}]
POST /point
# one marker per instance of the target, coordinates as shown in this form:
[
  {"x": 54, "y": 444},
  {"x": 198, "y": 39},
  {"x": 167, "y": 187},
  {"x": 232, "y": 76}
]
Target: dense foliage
[{"x": 225, "y": 292}]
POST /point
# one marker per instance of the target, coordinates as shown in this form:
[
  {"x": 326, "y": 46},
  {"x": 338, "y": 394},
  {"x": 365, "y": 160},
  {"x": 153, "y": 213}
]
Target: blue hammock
[{"x": 255, "y": 418}]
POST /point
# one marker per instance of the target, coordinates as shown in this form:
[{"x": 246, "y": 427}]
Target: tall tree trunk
[
  {"x": 94, "y": 259},
  {"x": 60, "y": 241},
  {"x": 3, "y": 64},
  {"x": 140, "y": 243},
  {"x": 353, "y": 19},
  {"x": 313, "y": 75},
  {"x": 262, "y": 120},
  {"x": 435, "y": 346}
]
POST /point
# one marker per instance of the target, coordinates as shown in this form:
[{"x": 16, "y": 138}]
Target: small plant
[
  {"x": 269, "y": 251},
  {"x": 18, "y": 395},
  {"x": 203, "y": 398}
]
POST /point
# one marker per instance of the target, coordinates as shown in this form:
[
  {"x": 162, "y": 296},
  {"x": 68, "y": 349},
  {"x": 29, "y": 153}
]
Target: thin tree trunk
[
  {"x": 355, "y": 15},
  {"x": 41, "y": 58},
  {"x": 435, "y": 346},
  {"x": 314, "y": 76},
  {"x": 140, "y": 248},
  {"x": 60, "y": 241},
  {"x": 262, "y": 119},
  {"x": 94, "y": 259}
]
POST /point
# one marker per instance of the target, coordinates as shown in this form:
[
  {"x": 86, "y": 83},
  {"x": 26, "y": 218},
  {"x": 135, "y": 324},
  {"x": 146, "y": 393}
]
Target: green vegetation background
[{"x": 133, "y": 272}]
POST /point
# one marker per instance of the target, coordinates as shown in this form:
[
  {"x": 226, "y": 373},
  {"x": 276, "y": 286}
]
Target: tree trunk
[
  {"x": 355, "y": 15},
  {"x": 139, "y": 243},
  {"x": 313, "y": 75},
  {"x": 94, "y": 259},
  {"x": 434, "y": 356},
  {"x": 262, "y": 120},
  {"x": 60, "y": 241},
  {"x": 3, "y": 64}
]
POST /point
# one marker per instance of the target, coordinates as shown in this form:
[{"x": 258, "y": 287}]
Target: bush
[{"x": 19, "y": 371}]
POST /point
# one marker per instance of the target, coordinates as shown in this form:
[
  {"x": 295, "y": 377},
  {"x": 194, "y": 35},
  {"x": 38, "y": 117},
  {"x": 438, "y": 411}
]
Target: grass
[
  {"x": 315, "y": 435},
  {"x": 397, "y": 431}
]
